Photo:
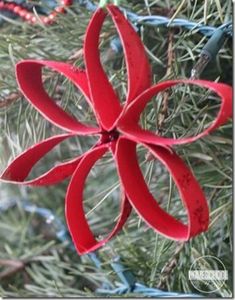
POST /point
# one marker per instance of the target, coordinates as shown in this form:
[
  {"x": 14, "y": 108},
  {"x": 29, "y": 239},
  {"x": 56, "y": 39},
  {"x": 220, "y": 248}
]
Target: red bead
[
  {"x": 23, "y": 13},
  {"x": 52, "y": 15},
  {"x": 60, "y": 9},
  {"x": 11, "y": 6},
  {"x": 16, "y": 9},
  {"x": 28, "y": 16},
  {"x": 33, "y": 20},
  {"x": 45, "y": 20},
  {"x": 66, "y": 2}
]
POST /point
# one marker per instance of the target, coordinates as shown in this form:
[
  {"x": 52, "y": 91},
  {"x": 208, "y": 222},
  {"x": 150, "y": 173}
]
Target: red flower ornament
[{"x": 119, "y": 132}]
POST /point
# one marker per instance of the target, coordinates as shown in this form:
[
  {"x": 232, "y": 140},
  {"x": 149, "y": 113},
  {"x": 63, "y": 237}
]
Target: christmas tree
[{"x": 37, "y": 256}]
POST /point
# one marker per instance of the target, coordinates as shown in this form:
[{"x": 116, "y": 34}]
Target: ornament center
[{"x": 109, "y": 136}]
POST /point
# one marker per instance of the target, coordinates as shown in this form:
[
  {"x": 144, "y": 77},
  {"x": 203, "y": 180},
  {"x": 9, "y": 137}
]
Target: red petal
[
  {"x": 145, "y": 204},
  {"x": 19, "y": 169},
  {"x": 56, "y": 174},
  {"x": 128, "y": 124},
  {"x": 81, "y": 234},
  {"x": 30, "y": 81},
  {"x": 106, "y": 102},
  {"x": 138, "y": 68}
]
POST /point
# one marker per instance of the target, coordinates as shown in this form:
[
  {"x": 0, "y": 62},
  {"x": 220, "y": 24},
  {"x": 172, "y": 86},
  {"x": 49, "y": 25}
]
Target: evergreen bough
[{"x": 42, "y": 265}]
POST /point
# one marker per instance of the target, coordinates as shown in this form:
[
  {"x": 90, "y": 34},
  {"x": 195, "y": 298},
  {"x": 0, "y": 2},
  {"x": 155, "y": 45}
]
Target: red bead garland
[{"x": 29, "y": 17}]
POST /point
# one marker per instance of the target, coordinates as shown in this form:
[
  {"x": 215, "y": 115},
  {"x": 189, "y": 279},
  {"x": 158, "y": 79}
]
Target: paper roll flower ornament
[{"x": 119, "y": 131}]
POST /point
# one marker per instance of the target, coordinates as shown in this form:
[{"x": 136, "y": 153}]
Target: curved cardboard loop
[
  {"x": 138, "y": 68},
  {"x": 20, "y": 168},
  {"x": 82, "y": 236},
  {"x": 143, "y": 201},
  {"x": 128, "y": 123},
  {"x": 105, "y": 100},
  {"x": 29, "y": 77}
]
